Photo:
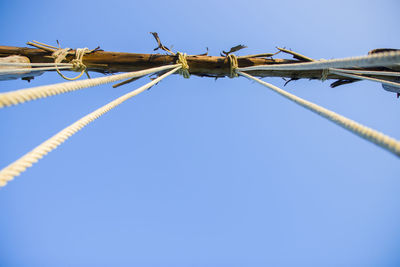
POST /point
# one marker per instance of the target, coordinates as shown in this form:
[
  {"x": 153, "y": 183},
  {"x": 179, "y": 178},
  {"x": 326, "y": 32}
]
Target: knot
[
  {"x": 324, "y": 75},
  {"x": 233, "y": 65},
  {"x": 60, "y": 54},
  {"x": 184, "y": 70},
  {"x": 77, "y": 65}
]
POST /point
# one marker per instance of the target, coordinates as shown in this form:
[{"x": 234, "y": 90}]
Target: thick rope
[
  {"x": 23, "y": 95},
  {"x": 347, "y": 73},
  {"x": 184, "y": 71},
  {"x": 233, "y": 62},
  {"x": 369, "y": 134},
  {"x": 20, "y": 165},
  {"x": 374, "y": 60}
]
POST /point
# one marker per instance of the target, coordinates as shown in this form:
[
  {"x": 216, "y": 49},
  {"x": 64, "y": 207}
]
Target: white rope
[
  {"x": 23, "y": 95},
  {"x": 347, "y": 73},
  {"x": 369, "y": 72},
  {"x": 374, "y": 60},
  {"x": 20, "y": 165},
  {"x": 369, "y": 134},
  {"x": 27, "y": 70},
  {"x": 19, "y": 64}
]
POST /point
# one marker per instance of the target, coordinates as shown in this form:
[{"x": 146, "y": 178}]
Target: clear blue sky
[{"x": 197, "y": 172}]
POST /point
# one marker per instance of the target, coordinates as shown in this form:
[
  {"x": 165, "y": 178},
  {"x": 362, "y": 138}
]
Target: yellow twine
[
  {"x": 184, "y": 71},
  {"x": 324, "y": 74},
  {"x": 233, "y": 65}
]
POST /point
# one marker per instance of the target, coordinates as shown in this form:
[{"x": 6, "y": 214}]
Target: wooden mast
[{"x": 200, "y": 65}]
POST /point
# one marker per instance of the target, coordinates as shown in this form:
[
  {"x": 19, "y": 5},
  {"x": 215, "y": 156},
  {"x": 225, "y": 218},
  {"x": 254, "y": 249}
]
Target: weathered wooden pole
[{"x": 200, "y": 65}]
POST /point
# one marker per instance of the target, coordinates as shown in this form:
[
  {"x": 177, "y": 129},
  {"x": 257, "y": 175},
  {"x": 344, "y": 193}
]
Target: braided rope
[
  {"x": 374, "y": 60},
  {"x": 20, "y": 165},
  {"x": 184, "y": 71},
  {"x": 23, "y": 95},
  {"x": 369, "y": 134}
]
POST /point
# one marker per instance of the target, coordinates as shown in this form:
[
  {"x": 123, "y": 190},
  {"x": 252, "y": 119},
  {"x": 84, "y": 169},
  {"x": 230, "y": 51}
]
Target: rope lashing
[
  {"x": 77, "y": 64},
  {"x": 369, "y": 134},
  {"x": 324, "y": 75},
  {"x": 23, "y": 95},
  {"x": 374, "y": 60},
  {"x": 26, "y": 161},
  {"x": 233, "y": 62},
  {"x": 184, "y": 70}
]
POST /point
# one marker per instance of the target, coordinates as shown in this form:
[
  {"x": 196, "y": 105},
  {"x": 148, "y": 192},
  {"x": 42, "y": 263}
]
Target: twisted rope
[
  {"x": 184, "y": 71},
  {"x": 369, "y": 134},
  {"x": 374, "y": 60},
  {"x": 19, "y": 64},
  {"x": 23, "y": 95},
  {"x": 26, "y": 161}
]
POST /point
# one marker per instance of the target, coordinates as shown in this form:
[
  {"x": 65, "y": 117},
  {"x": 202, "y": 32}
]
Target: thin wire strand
[
  {"x": 23, "y": 95},
  {"x": 26, "y": 161},
  {"x": 369, "y": 134},
  {"x": 374, "y": 60}
]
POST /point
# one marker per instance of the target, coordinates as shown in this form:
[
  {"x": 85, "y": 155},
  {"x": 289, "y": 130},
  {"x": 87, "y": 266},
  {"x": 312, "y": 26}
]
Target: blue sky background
[{"x": 197, "y": 172}]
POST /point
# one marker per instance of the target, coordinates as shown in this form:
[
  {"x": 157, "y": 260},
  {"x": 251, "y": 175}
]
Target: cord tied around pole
[
  {"x": 184, "y": 70},
  {"x": 233, "y": 65},
  {"x": 324, "y": 75},
  {"x": 77, "y": 65}
]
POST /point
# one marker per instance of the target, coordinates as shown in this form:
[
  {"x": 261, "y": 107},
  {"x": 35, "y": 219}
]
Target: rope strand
[
  {"x": 374, "y": 60},
  {"x": 28, "y": 70},
  {"x": 23, "y": 95},
  {"x": 26, "y": 161},
  {"x": 369, "y": 134},
  {"x": 347, "y": 73}
]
